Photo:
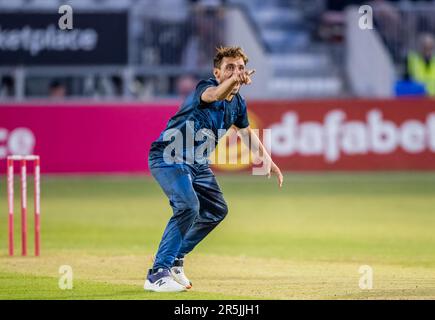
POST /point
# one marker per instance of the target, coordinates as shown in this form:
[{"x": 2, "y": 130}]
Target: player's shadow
[{"x": 128, "y": 295}]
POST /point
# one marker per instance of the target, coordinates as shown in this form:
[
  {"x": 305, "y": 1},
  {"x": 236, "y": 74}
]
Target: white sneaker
[
  {"x": 162, "y": 281},
  {"x": 177, "y": 272}
]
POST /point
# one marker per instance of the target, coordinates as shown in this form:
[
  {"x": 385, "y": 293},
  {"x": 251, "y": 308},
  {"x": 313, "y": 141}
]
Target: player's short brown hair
[{"x": 231, "y": 52}]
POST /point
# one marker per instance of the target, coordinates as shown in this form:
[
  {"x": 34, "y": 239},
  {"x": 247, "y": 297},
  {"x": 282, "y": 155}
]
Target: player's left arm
[{"x": 252, "y": 141}]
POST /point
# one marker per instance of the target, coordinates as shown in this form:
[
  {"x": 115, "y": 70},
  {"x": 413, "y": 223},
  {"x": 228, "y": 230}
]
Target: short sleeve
[
  {"x": 242, "y": 117},
  {"x": 200, "y": 88}
]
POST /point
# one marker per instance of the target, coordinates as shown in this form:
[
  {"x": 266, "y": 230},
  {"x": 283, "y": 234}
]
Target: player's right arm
[{"x": 224, "y": 89}]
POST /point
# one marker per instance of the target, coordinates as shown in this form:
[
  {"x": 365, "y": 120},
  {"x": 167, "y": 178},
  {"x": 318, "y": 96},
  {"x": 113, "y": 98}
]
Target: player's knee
[
  {"x": 222, "y": 211},
  {"x": 189, "y": 207},
  {"x": 194, "y": 207}
]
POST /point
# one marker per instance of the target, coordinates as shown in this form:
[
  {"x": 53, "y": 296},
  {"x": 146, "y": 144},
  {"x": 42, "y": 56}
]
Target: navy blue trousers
[{"x": 197, "y": 204}]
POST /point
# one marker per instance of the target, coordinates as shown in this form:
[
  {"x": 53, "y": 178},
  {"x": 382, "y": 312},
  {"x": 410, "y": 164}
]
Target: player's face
[{"x": 228, "y": 67}]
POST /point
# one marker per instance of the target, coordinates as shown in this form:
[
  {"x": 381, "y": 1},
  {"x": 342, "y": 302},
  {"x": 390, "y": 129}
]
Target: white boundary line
[{"x": 19, "y": 158}]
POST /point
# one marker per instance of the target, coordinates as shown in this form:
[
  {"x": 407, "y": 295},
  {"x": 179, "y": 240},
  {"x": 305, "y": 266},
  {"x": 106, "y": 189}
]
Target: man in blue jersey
[{"x": 178, "y": 161}]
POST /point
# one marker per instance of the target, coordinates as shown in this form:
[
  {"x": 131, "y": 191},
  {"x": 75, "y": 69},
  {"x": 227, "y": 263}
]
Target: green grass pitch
[{"x": 304, "y": 241}]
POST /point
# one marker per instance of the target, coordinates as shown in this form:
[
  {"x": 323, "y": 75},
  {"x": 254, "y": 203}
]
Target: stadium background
[{"x": 342, "y": 101}]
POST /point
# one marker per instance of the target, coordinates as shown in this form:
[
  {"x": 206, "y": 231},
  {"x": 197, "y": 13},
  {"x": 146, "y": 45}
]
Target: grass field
[{"x": 305, "y": 241}]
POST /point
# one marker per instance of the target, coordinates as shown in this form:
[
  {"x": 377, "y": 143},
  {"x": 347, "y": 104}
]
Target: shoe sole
[{"x": 148, "y": 287}]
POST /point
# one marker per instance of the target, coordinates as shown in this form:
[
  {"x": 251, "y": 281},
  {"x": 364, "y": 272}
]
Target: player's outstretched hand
[
  {"x": 275, "y": 170},
  {"x": 245, "y": 77}
]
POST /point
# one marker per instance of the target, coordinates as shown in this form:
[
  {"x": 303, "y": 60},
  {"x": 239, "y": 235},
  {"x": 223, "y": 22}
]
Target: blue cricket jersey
[{"x": 196, "y": 115}]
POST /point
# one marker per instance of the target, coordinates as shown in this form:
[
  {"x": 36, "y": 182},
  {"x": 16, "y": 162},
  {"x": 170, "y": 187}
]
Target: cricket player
[{"x": 197, "y": 202}]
